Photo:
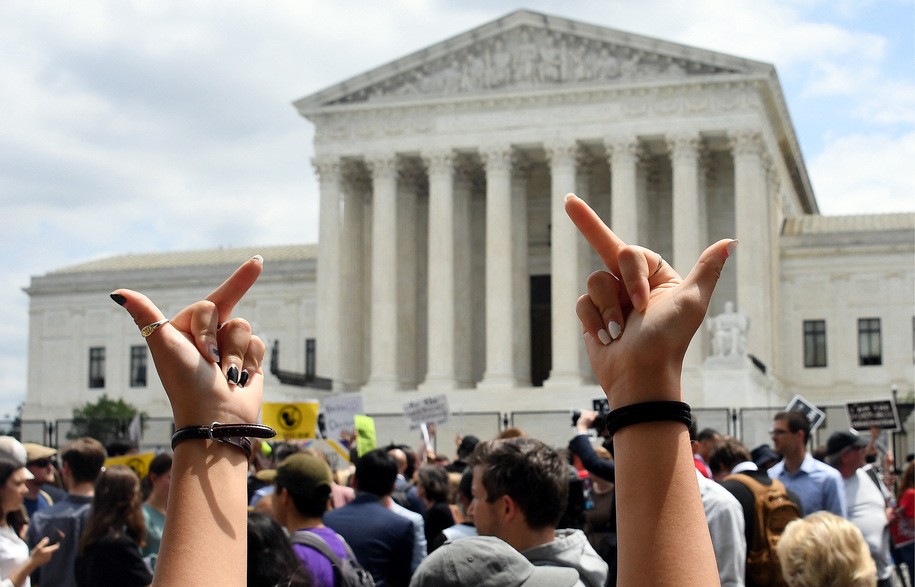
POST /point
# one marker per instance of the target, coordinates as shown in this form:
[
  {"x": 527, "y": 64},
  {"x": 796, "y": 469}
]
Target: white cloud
[{"x": 863, "y": 173}]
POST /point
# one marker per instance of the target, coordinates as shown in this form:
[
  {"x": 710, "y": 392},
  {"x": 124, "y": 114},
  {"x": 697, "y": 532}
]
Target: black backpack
[{"x": 347, "y": 572}]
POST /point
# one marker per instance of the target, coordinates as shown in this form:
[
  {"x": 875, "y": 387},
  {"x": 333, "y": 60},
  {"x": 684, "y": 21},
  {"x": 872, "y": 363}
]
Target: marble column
[
  {"x": 385, "y": 335},
  {"x": 688, "y": 223},
  {"x": 499, "y": 371},
  {"x": 328, "y": 358},
  {"x": 440, "y": 373},
  {"x": 623, "y": 157},
  {"x": 521, "y": 325},
  {"x": 565, "y": 285},
  {"x": 353, "y": 281},
  {"x": 752, "y": 222},
  {"x": 410, "y": 183}
]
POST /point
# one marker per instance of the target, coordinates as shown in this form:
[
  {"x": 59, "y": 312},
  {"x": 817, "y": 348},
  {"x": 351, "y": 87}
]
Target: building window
[
  {"x": 138, "y": 366},
  {"x": 869, "y": 352},
  {"x": 97, "y": 367},
  {"x": 310, "y": 370},
  {"x": 814, "y": 343}
]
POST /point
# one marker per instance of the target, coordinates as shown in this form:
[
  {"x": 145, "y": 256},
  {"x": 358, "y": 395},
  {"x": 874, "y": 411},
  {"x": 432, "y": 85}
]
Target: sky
[{"x": 131, "y": 127}]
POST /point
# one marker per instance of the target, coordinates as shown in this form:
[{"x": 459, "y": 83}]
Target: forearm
[
  {"x": 581, "y": 446},
  {"x": 206, "y": 530},
  {"x": 659, "y": 509},
  {"x": 17, "y": 578}
]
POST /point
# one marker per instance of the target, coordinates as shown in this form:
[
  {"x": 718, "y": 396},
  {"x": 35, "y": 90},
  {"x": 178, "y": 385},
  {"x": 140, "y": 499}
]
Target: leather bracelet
[
  {"x": 642, "y": 412},
  {"x": 234, "y": 434}
]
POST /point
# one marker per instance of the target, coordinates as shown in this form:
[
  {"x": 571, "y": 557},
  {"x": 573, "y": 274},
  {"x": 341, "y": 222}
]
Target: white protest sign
[
  {"x": 814, "y": 415},
  {"x": 339, "y": 411},
  {"x": 428, "y": 409}
]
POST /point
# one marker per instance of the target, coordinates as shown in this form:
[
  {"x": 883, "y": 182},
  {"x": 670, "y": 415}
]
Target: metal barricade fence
[{"x": 395, "y": 429}]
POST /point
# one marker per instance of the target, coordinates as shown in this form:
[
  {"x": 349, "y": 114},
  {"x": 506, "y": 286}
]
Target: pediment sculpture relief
[{"x": 528, "y": 57}]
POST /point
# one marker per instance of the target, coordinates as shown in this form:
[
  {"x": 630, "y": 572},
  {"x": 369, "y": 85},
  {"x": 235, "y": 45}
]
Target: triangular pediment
[{"x": 524, "y": 51}]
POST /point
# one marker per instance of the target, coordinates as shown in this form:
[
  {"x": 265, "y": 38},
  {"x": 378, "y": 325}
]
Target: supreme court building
[{"x": 446, "y": 263}]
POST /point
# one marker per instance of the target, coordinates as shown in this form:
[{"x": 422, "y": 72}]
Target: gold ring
[
  {"x": 660, "y": 264},
  {"x": 150, "y": 328}
]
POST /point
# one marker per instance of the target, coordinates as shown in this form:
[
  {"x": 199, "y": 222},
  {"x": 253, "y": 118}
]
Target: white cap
[{"x": 14, "y": 449}]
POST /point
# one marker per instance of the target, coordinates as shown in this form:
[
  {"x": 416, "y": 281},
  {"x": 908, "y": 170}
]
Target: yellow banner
[
  {"x": 138, "y": 462},
  {"x": 292, "y": 421},
  {"x": 365, "y": 434}
]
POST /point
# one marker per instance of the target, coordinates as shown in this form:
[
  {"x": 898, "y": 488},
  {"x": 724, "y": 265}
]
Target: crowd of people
[{"x": 657, "y": 502}]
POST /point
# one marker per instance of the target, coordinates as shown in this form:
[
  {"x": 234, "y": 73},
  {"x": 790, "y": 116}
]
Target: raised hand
[
  {"x": 639, "y": 315},
  {"x": 209, "y": 363}
]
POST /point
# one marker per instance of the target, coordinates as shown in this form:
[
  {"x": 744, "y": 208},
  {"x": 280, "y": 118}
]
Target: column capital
[
  {"x": 382, "y": 165},
  {"x": 497, "y": 157},
  {"x": 327, "y": 167},
  {"x": 411, "y": 173},
  {"x": 622, "y": 149},
  {"x": 439, "y": 161},
  {"x": 684, "y": 146},
  {"x": 561, "y": 152},
  {"x": 746, "y": 142}
]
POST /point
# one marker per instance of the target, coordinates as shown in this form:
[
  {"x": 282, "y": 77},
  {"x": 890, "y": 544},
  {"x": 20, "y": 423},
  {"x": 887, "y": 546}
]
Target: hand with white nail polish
[
  {"x": 638, "y": 318},
  {"x": 639, "y": 315}
]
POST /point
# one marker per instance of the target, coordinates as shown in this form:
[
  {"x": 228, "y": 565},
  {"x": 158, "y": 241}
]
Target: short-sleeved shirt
[
  {"x": 13, "y": 554},
  {"x": 817, "y": 485},
  {"x": 155, "y": 525},
  {"x": 321, "y": 570}
]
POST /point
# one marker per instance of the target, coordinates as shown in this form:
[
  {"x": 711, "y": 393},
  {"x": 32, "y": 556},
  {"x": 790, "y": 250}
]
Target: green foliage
[
  {"x": 13, "y": 427},
  {"x": 104, "y": 420}
]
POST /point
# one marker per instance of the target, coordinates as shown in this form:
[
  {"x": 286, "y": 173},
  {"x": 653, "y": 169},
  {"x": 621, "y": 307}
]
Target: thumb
[{"x": 705, "y": 274}]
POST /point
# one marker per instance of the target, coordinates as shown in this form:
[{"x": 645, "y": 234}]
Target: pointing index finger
[{"x": 599, "y": 236}]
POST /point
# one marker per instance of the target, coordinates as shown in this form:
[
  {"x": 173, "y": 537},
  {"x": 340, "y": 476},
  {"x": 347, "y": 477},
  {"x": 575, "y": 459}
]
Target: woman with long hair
[
  {"x": 155, "y": 484},
  {"x": 16, "y": 562},
  {"x": 109, "y": 550}
]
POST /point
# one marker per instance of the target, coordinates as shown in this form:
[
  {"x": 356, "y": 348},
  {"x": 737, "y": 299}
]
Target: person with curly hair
[{"x": 824, "y": 550}]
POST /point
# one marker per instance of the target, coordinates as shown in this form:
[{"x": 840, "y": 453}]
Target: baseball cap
[
  {"x": 36, "y": 452},
  {"x": 13, "y": 448},
  {"x": 839, "y": 441},
  {"x": 303, "y": 474},
  {"x": 486, "y": 561},
  {"x": 763, "y": 454}
]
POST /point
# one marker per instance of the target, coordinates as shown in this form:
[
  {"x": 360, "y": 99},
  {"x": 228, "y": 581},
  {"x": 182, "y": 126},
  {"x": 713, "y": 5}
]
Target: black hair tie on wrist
[
  {"x": 234, "y": 434},
  {"x": 642, "y": 412}
]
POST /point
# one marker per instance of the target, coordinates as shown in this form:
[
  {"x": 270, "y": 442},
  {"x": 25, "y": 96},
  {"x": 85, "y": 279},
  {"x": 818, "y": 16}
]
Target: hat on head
[
  {"x": 36, "y": 452},
  {"x": 266, "y": 475},
  {"x": 14, "y": 449},
  {"x": 839, "y": 441},
  {"x": 486, "y": 561},
  {"x": 303, "y": 474},
  {"x": 763, "y": 454}
]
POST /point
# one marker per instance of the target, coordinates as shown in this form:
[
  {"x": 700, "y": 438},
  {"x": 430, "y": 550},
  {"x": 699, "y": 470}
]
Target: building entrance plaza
[{"x": 446, "y": 262}]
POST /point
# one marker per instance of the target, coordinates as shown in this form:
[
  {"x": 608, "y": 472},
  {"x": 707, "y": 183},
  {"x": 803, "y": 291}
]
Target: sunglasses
[{"x": 40, "y": 463}]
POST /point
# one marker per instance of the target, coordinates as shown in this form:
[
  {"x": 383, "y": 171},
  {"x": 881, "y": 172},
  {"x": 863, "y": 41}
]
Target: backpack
[
  {"x": 347, "y": 572},
  {"x": 773, "y": 511}
]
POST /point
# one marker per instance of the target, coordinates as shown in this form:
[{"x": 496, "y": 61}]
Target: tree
[
  {"x": 105, "y": 420},
  {"x": 13, "y": 427}
]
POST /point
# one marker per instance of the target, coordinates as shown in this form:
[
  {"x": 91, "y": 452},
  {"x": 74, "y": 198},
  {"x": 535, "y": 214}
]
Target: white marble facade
[{"x": 446, "y": 262}]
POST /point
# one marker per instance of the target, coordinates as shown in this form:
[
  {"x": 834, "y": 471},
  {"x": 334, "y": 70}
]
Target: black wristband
[
  {"x": 234, "y": 434},
  {"x": 640, "y": 413}
]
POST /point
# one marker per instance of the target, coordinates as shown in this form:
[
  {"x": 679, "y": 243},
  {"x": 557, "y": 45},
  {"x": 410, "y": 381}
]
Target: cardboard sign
[
  {"x": 292, "y": 421},
  {"x": 339, "y": 411},
  {"x": 365, "y": 434},
  {"x": 814, "y": 415},
  {"x": 428, "y": 409},
  {"x": 138, "y": 462},
  {"x": 879, "y": 413}
]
